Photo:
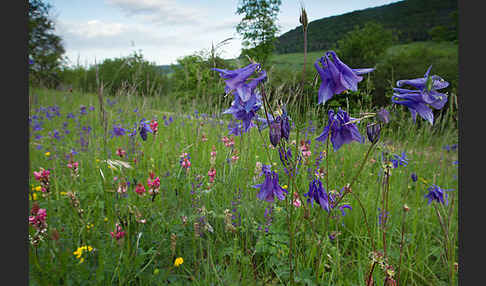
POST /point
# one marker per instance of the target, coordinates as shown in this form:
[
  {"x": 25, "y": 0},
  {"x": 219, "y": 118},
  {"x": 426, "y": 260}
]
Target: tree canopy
[{"x": 45, "y": 48}]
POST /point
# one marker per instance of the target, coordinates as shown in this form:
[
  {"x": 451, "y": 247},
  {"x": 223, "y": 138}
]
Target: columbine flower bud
[
  {"x": 373, "y": 132},
  {"x": 276, "y": 131},
  {"x": 414, "y": 177}
]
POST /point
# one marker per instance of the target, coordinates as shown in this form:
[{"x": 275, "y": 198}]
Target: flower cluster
[
  {"x": 247, "y": 100},
  {"x": 79, "y": 252},
  {"x": 43, "y": 177},
  {"x": 154, "y": 126},
  {"x": 153, "y": 184},
  {"x": 279, "y": 126},
  {"x": 211, "y": 174},
  {"x": 437, "y": 194},
  {"x": 37, "y": 220},
  {"x": 73, "y": 166},
  {"x": 228, "y": 142},
  {"x": 418, "y": 100},
  {"x": 185, "y": 161},
  {"x": 140, "y": 189},
  {"x": 118, "y": 233},
  {"x": 178, "y": 261},
  {"x": 305, "y": 148}
]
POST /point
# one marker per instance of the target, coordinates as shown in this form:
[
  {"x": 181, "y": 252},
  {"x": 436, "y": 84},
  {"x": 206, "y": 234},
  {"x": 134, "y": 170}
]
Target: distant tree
[
  {"x": 258, "y": 27},
  {"x": 438, "y": 33},
  {"x": 132, "y": 74},
  {"x": 45, "y": 48}
]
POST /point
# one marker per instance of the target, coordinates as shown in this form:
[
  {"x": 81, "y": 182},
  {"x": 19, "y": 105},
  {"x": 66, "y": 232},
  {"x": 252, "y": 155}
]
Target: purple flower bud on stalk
[
  {"x": 373, "y": 132},
  {"x": 414, "y": 177},
  {"x": 276, "y": 131}
]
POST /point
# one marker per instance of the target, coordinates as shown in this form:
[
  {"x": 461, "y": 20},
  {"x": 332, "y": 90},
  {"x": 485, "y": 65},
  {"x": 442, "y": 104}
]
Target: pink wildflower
[
  {"x": 118, "y": 233},
  {"x": 296, "y": 201},
  {"x": 38, "y": 217},
  {"x": 140, "y": 189},
  {"x": 211, "y": 174},
  {"x": 43, "y": 177},
  {"x": 154, "y": 125},
  {"x": 122, "y": 187},
  {"x": 120, "y": 152},
  {"x": 228, "y": 142}
]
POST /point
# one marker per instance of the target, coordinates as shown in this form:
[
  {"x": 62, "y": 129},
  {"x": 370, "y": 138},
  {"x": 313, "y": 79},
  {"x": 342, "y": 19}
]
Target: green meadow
[{"x": 197, "y": 229}]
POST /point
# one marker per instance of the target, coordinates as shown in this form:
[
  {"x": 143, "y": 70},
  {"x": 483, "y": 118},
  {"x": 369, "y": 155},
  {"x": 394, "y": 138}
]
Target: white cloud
[
  {"x": 159, "y": 11},
  {"x": 98, "y": 39}
]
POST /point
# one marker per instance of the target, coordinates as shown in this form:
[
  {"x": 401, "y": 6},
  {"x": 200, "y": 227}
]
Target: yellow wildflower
[
  {"x": 285, "y": 187},
  {"x": 38, "y": 188},
  {"x": 47, "y": 154},
  {"x": 34, "y": 197},
  {"x": 79, "y": 252},
  {"x": 106, "y": 219},
  {"x": 89, "y": 225},
  {"x": 178, "y": 261}
]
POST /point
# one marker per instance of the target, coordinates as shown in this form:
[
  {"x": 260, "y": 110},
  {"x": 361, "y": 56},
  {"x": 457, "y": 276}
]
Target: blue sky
[{"x": 165, "y": 30}]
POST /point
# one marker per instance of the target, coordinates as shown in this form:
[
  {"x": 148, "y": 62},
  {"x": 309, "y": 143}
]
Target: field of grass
[
  {"x": 293, "y": 61},
  {"x": 198, "y": 231}
]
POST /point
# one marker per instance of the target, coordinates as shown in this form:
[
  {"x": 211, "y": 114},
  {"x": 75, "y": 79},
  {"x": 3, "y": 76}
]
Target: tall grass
[{"x": 188, "y": 202}]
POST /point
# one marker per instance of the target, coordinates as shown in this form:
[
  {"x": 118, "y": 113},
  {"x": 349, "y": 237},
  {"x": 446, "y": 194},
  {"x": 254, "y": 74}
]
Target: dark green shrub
[{"x": 363, "y": 46}]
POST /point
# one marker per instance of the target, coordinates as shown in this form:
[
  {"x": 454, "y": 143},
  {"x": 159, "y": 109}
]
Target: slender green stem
[{"x": 401, "y": 245}]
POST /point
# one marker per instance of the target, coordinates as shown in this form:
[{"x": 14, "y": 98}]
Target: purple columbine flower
[
  {"x": 318, "y": 193},
  {"x": 237, "y": 80},
  {"x": 234, "y": 128},
  {"x": 344, "y": 206},
  {"x": 336, "y": 76},
  {"x": 245, "y": 111},
  {"x": 118, "y": 130},
  {"x": 437, "y": 194},
  {"x": 270, "y": 188},
  {"x": 144, "y": 127},
  {"x": 383, "y": 115},
  {"x": 342, "y": 132},
  {"x": 399, "y": 160},
  {"x": 425, "y": 94}
]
